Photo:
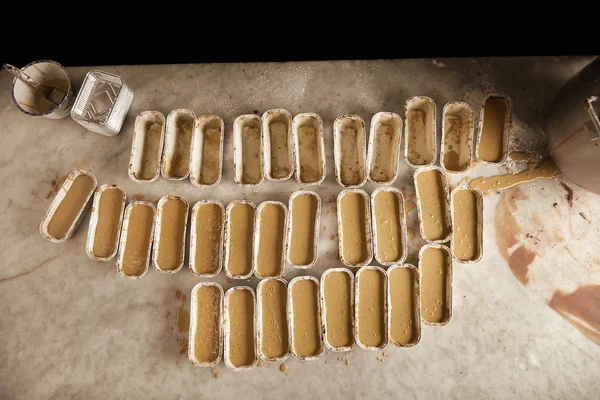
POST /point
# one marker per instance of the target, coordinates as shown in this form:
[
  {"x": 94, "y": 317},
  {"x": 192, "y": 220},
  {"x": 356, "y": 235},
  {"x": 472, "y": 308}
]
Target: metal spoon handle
[{"x": 22, "y": 76}]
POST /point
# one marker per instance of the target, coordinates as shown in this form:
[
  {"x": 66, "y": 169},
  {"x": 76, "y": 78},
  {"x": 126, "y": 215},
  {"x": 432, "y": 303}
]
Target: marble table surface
[{"x": 526, "y": 318}]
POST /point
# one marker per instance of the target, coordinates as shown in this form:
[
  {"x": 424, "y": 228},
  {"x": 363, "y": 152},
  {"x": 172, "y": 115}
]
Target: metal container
[
  {"x": 178, "y": 147},
  {"x": 402, "y": 223},
  {"x": 257, "y": 238},
  {"x": 507, "y": 128},
  {"x": 324, "y": 309},
  {"x": 194, "y": 321},
  {"x": 457, "y": 233},
  {"x": 291, "y": 229},
  {"x": 228, "y": 238},
  {"x": 27, "y": 98},
  {"x": 227, "y": 329},
  {"x": 349, "y": 173},
  {"x": 273, "y": 158},
  {"x": 259, "y": 311},
  {"x": 382, "y": 124},
  {"x": 428, "y": 107},
  {"x": 123, "y": 238},
  {"x": 62, "y": 192},
  {"x": 94, "y": 222},
  {"x": 455, "y": 116},
  {"x": 446, "y": 204},
  {"x": 194, "y": 237},
  {"x": 200, "y": 158},
  {"x": 448, "y": 282},
  {"x": 357, "y": 304},
  {"x": 417, "y": 311},
  {"x": 303, "y": 155},
  {"x": 102, "y": 103},
  {"x": 147, "y": 147},
  {"x": 290, "y": 308},
  {"x": 573, "y": 128},
  {"x": 157, "y": 232},
  {"x": 248, "y": 121},
  {"x": 367, "y": 224}
]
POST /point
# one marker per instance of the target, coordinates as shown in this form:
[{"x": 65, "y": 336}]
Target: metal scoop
[{"x": 50, "y": 93}]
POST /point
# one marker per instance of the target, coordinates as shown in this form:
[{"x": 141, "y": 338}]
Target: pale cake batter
[
  {"x": 274, "y": 329},
  {"x": 173, "y": 218},
  {"x": 136, "y": 251},
  {"x": 207, "y": 336},
  {"x": 110, "y": 215},
  {"x": 211, "y": 157},
  {"x": 309, "y": 154},
  {"x": 270, "y": 244},
  {"x": 465, "y": 241},
  {"x": 388, "y": 212},
  {"x": 65, "y": 214},
  {"x": 354, "y": 242},
  {"x": 280, "y": 154},
  {"x": 209, "y": 239},
  {"x": 491, "y": 138},
  {"x": 371, "y": 323},
  {"x": 404, "y": 287},
  {"x": 546, "y": 169},
  {"x": 303, "y": 210},
  {"x": 434, "y": 213},
  {"x": 339, "y": 314},
  {"x": 434, "y": 266},
  {"x": 307, "y": 321},
  {"x": 252, "y": 168},
  {"x": 240, "y": 231},
  {"x": 240, "y": 314}
]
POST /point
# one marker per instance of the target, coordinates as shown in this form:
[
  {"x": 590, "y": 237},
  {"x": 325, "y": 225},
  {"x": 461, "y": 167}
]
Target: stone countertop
[{"x": 526, "y": 318}]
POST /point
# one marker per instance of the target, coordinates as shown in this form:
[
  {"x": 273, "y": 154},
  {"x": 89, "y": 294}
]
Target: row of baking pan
[
  {"x": 307, "y": 316},
  {"x": 261, "y": 241},
  {"x": 275, "y": 145}
]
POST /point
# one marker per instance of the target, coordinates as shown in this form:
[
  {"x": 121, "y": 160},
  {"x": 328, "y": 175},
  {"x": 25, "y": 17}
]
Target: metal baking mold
[
  {"x": 227, "y": 330},
  {"x": 341, "y": 124},
  {"x": 291, "y": 227},
  {"x": 194, "y": 235},
  {"x": 314, "y": 121},
  {"x": 368, "y": 234},
  {"x": 394, "y": 123},
  {"x": 246, "y": 121},
  {"x": 172, "y": 151},
  {"x": 256, "y": 241},
  {"x": 194, "y": 321},
  {"x": 123, "y": 238},
  {"x": 463, "y": 112},
  {"x": 290, "y": 310},
  {"x": 385, "y": 309},
  {"x": 202, "y": 125},
  {"x": 157, "y": 232},
  {"x": 324, "y": 309},
  {"x": 60, "y": 195},
  {"x": 102, "y": 103},
  {"x": 277, "y": 115},
  {"x": 228, "y": 238},
  {"x": 417, "y": 311},
  {"x": 139, "y": 154},
  {"x": 403, "y": 230},
  {"x": 420, "y": 102},
  {"x": 94, "y": 222},
  {"x": 446, "y": 204}
]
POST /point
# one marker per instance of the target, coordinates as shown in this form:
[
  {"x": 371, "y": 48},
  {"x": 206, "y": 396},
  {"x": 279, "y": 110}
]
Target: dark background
[{"x": 137, "y": 41}]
